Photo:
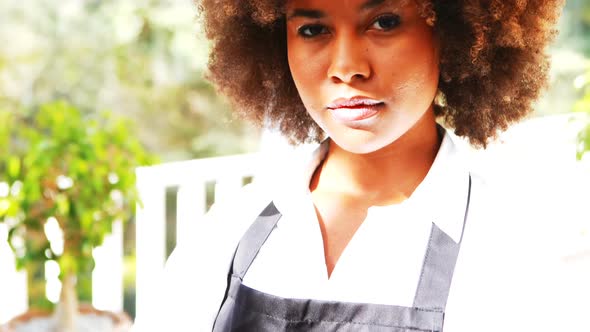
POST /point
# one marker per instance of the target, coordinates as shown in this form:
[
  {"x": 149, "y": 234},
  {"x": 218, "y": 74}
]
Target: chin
[{"x": 362, "y": 143}]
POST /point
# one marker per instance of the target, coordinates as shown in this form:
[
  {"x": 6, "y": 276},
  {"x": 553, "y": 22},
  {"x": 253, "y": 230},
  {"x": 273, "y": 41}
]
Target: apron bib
[{"x": 246, "y": 309}]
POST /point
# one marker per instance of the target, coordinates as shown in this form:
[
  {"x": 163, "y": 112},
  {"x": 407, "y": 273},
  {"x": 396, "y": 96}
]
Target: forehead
[
  {"x": 321, "y": 8},
  {"x": 360, "y": 4},
  {"x": 349, "y": 9}
]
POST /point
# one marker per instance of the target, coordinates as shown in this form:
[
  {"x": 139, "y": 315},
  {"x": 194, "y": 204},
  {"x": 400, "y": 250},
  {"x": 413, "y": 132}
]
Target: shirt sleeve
[{"x": 511, "y": 274}]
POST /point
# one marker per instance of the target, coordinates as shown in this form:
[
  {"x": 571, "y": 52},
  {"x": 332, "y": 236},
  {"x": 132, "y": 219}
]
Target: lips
[{"x": 354, "y": 109}]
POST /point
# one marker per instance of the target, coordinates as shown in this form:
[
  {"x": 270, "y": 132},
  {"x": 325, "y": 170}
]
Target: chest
[
  {"x": 339, "y": 218},
  {"x": 378, "y": 261}
]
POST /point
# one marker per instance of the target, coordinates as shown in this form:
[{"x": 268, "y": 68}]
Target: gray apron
[{"x": 246, "y": 309}]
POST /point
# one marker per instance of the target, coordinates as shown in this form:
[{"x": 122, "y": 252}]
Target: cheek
[
  {"x": 412, "y": 75},
  {"x": 306, "y": 74},
  {"x": 427, "y": 60}
]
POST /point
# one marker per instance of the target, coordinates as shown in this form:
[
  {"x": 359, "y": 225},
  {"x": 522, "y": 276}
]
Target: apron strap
[
  {"x": 439, "y": 265},
  {"x": 244, "y": 255},
  {"x": 256, "y": 235}
]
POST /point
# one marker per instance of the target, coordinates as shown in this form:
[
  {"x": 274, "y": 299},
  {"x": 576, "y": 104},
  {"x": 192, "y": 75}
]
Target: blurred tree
[
  {"x": 67, "y": 179},
  {"x": 142, "y": 58}
]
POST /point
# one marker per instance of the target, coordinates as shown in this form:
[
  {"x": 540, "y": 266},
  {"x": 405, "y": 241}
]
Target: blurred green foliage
[
  {"x": 577, "y": 28},
  {"x": 569, "y": 59},
  {"x": 576, "y": 36},
  {"x": 144, "y": 59},
  {"x": 583, "y": 106},
  {"x": 77, "y": 171}
]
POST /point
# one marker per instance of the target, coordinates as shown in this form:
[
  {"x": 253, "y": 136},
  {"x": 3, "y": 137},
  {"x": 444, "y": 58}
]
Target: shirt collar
[{"x": 444, "y": 190}]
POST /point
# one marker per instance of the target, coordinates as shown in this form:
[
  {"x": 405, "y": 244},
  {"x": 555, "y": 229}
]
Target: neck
[{"x": 386, "y": 176}]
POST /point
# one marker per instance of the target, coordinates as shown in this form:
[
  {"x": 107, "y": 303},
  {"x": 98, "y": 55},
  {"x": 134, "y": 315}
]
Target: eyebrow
[
  {"x": 371, "y": 4},
  {"x": 309, "y": 13},
  {"x": 314, "y": 13}
]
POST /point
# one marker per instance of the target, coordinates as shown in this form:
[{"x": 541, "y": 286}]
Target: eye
[
  {"x": 386, "y": 22},
  {"x": 312, "y": 30}
]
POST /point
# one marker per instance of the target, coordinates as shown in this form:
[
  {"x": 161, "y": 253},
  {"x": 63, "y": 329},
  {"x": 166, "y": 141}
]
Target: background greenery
[
  {"x": 141, "y": 58},
  {"x": 145, "y": 59},
  {"x": 69, "y": 172}
]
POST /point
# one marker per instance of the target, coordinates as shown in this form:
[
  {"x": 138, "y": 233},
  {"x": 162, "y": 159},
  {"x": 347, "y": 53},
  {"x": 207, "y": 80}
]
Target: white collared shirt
[
  {"x": 504, "y": 279},
  {"x": 383, "y": 260}
]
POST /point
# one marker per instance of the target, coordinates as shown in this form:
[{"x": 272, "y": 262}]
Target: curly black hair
[{"x": 493, "y": 64}]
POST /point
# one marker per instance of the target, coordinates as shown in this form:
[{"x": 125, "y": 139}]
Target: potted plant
[{"x": 76, "y": 171}]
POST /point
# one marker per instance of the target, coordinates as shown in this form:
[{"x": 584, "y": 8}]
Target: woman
[{"x": 380, "y": 229}]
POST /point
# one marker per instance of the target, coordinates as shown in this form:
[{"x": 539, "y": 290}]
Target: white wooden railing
[
  {"x": 191, "y": 178},
  {"x": 544, "y": 136}
]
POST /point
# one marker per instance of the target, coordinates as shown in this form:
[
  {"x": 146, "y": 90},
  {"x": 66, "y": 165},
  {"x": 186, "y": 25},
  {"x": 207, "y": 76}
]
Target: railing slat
[
  {"x": 150, "y": 238},
  {"x": 190, "y": 206},
  {"x": 107, "y": 277},
  {"x": 190, "y": 177}
]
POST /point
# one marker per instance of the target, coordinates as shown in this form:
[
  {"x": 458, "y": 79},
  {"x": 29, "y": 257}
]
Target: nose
[{"x": 349, "y": 60}]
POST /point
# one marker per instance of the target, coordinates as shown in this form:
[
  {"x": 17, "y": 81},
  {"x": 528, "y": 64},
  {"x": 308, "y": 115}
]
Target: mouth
[{"x": 354, "y": 109}]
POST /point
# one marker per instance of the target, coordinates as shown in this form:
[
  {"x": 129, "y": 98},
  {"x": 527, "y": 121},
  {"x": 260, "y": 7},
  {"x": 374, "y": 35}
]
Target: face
[{"x": 366, "y": 70}]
